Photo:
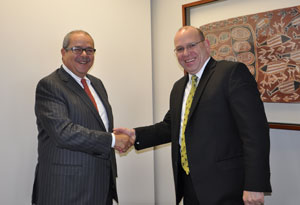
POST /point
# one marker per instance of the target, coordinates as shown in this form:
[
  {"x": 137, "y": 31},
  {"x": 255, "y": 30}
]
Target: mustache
[{"x": 84, "y": 59}]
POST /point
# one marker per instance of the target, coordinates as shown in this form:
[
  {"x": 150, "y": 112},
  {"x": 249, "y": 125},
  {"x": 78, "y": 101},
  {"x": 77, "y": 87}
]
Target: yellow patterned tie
[{"x": 184, "y": 160}]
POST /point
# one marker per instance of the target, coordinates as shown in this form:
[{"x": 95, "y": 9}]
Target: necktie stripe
[
  {"x": 184, "y": 160},
  {"x": 88, "y": 92}
]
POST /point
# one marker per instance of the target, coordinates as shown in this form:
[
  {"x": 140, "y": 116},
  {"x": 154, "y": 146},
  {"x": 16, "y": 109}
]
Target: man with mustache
[{"x": 76, "y": 159}]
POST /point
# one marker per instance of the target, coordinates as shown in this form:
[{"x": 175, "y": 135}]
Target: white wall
[
  {"x": 31, "y": 37},
  {"x": 166, "y": 20}
]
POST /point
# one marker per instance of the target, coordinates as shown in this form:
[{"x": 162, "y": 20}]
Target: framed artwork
[{"x": 269, "y": 44}]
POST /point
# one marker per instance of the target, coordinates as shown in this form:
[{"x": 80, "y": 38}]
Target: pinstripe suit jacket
[{"x": 75, "y": 158}]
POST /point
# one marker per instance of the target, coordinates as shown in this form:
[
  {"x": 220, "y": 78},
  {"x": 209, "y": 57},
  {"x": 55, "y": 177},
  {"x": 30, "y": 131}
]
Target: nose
[
  {"x": 185, "y": 52},
  {"x": 84, "y": 53}
]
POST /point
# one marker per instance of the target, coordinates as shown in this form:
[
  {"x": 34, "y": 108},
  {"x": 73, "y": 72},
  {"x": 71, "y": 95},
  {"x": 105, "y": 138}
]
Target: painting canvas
[{"x": 269, "y": 44}]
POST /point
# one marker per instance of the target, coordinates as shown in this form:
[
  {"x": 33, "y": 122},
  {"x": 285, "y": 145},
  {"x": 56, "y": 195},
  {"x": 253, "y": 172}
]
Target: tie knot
[
  {"x": 194, "y": 79},
  {"x": 83, "y": 81}
]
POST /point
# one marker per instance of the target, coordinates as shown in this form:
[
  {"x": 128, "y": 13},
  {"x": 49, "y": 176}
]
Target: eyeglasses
[
  {"x": 78, "y": 50},
  {"x": 189, "y": 46}
]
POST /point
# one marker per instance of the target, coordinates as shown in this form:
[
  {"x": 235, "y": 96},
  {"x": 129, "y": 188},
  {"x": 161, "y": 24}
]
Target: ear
[
  {"x": 207, "y": 45},
  {"x": 63, "y": 51}
]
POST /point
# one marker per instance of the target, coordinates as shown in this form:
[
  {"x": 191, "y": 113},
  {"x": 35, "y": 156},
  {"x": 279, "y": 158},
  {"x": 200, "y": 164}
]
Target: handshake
[{"x": 124, "y": 139}]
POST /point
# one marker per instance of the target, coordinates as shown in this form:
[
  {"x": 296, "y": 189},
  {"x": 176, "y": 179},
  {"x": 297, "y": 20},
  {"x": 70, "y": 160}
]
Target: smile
[
  {"x": 190, "y": 60},
  {"x": 83, "y": 61}
]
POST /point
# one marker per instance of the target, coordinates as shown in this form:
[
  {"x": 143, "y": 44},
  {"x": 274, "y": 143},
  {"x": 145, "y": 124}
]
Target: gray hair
[{"x": 66, "y": 41}]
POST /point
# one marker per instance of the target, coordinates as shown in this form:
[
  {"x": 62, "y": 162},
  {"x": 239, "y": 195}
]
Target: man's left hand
[{"x": 253, "y": 198}]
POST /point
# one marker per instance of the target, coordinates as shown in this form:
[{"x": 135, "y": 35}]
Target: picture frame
[{"x": 280, "y": 115}]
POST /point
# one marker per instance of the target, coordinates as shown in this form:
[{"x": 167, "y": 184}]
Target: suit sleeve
[
  {"x": 249, "y": 114},
  {"x": 153, "y": 135},
  {"x": 54, "y": 122}
]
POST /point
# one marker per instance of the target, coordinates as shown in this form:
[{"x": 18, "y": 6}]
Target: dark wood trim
[
  {"x": 285, "y": 126},
  {"x": 186, "y": 21},
  {"x": 186, "y": 10}
]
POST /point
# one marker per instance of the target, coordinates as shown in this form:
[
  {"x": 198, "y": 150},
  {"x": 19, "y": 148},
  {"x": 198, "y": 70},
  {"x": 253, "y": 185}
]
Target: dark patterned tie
[
  {"x": 184, "y": 160},
  {"x": 88, "y": 92}
]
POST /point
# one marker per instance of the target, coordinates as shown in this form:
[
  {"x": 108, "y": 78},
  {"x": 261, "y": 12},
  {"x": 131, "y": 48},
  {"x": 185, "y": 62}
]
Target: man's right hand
[
  {"x": 123, "y": 142},
  {"x": 125, "y": 138}
]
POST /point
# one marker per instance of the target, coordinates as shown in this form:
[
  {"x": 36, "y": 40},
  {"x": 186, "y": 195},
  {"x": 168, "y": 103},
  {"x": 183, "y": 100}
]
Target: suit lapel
[
  {"x": 102, "y": 95},
  {"x": 77, "y": 89},
  {"x": 179, "y": 92},
  {"x": 209, "y": 70}
]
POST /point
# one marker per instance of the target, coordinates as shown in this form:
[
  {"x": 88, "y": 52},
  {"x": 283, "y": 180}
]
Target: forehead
[
  {"x": 81, "y": 39},
  {"x": 185, "y": 36}
]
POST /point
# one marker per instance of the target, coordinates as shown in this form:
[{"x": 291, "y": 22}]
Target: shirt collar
[
  {"x": 75, "y": 77},
  {"x": 199, "y": 74}
]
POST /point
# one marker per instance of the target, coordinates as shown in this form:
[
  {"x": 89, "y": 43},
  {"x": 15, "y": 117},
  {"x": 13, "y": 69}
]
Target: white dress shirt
[
  {"x": 100, "y": 106},
  {"x": 186, "y": 94}
]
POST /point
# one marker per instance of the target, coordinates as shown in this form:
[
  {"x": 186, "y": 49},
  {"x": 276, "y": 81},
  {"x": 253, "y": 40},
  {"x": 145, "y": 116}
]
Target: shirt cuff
[{"x": 113, "y": 140}]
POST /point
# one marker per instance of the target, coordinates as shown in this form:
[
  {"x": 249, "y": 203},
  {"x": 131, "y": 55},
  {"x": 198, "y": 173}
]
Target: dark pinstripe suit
[{"x": 75, "y": 158}]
